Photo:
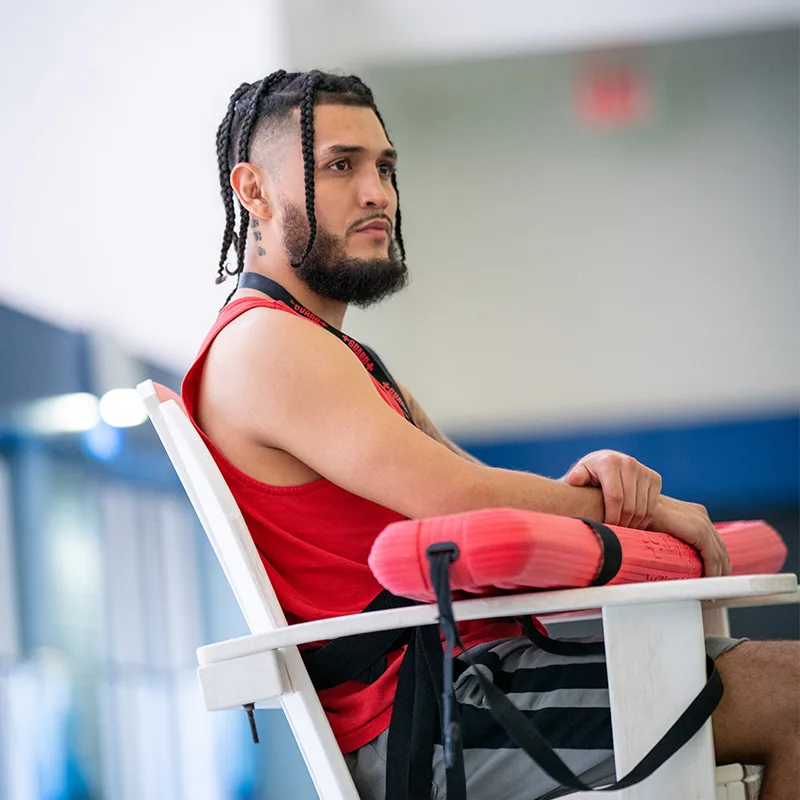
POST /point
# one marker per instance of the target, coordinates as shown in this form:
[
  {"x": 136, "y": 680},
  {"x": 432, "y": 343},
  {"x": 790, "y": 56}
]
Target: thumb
[{"x": 579, "y": 476}]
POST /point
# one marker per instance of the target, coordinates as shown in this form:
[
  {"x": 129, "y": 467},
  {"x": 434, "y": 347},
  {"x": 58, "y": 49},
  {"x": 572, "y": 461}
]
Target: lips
[{"x": 376, "y": 226}]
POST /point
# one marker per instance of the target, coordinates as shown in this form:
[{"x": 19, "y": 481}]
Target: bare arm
[
  {"x": 292, "y": 386},
  {"x": 423, "y": 422}
]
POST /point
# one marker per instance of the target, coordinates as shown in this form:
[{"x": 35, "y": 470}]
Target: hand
[
  {"x": 690, "y": 523},
  {"x": 630, "y": 490}
]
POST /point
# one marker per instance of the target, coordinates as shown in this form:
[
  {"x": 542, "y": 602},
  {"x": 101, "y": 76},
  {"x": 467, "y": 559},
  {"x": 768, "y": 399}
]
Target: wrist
[{"x": 589, "y": 502}]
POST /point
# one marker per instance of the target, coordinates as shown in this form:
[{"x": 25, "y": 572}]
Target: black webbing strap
[
  {"x": 611, "y": 552},
  {"x": 528, "y": 737},
  {"x": 414, "y": 725},
  {"x": 609, "y": 566},
  {"x": 522, "y": 731},
  {"x": 560, "y": 647},
  {"x": 358, "y": 657}
]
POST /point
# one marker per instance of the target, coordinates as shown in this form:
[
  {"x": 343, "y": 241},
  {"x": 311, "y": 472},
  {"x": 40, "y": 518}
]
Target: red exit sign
[{"x": 611, "y": 93}]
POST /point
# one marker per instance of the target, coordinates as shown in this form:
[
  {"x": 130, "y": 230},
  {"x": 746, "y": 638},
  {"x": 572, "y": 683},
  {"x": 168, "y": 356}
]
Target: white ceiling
[{"x": 353, "y": 33}]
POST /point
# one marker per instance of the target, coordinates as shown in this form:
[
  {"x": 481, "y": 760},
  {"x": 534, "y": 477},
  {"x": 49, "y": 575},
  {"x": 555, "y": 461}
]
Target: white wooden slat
[
  {"x": 736, "y": 791},
  {"x": 234, "y": 547},
  {"x": 729, "y": 773},
  {"x": 656, "y": 666},
  {"x": 715, "y": 620}
]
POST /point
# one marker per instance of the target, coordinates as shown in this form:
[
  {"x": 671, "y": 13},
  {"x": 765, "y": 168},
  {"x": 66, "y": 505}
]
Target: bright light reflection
[
  {"x": 67, "y": 413},
  {"x": 122, "y": 408}
]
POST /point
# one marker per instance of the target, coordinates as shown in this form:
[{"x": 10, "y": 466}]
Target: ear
[{"x": 249, "y": 183}]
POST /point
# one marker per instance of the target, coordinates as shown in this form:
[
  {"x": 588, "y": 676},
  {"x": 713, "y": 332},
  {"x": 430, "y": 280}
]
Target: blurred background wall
[{"x": 601, "y": 207}]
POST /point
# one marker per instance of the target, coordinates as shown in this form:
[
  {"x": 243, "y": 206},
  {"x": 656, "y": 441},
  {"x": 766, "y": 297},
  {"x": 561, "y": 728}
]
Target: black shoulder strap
[{"x": 359, "y": 657}]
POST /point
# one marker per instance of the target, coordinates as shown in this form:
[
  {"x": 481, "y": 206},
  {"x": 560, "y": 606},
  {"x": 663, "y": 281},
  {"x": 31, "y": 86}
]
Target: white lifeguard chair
[{"x": 653, "y": 634}]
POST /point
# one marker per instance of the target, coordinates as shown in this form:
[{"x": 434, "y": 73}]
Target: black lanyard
[{"x": 370, "y": 360}]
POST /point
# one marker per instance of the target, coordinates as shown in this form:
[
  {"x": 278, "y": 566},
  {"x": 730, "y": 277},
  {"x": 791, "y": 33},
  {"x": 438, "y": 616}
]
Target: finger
[
  {"x": 579, "y": 475},
  {"x": 722, "y": 555},
  {"x": 713, "y": 554},
  {"x": 701, "y": 538},
  {"x": 612, "y": 496},
  {"x": 711, "y": 562},
  {"x": 726, "y": 557},
  {"x": 630, "y": 478},
  {"x": 653, "y": 493},
  {"x": 642, "y": 492},
  {"x": 704, "y": 539}
]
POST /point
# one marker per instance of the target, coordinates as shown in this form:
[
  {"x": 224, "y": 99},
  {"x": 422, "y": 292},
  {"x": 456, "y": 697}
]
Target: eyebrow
[{"x": 351, "y": 149}]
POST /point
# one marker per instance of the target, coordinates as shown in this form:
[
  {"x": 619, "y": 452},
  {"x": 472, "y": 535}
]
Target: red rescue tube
[{"x": 508, "y": 550}]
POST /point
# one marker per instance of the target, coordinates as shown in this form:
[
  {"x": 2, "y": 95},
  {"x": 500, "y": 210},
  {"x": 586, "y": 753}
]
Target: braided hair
[{"x": 265, "y": 106}]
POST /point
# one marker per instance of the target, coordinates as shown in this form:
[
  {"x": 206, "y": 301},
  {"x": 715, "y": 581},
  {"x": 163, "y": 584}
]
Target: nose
[{"x": 373, "y": 191}]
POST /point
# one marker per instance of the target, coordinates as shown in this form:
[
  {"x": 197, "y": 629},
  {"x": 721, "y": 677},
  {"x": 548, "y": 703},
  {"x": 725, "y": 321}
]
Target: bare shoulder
[
  {"x": 267, "y": 336},
  {"x": 264, "y": 362}
]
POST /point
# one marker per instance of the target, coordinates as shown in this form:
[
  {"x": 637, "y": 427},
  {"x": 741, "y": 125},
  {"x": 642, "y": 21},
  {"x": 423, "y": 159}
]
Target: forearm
[{"x": 511, "y": 489}]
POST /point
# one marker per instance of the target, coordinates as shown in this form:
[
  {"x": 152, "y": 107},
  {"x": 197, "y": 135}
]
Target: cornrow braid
[
  {"x": 307, "y": 142},
  {"x": 248, "y": 123},
  {"x": 223, "y": 148}
]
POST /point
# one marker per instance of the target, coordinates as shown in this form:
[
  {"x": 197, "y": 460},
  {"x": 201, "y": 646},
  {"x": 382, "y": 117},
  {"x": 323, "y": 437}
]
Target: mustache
[{"x": 371, "y": 218}]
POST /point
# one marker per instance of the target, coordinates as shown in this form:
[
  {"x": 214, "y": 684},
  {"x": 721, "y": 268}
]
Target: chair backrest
[
  {"x": 227, "y": 531},
  {"x": 215, "y": 507}
]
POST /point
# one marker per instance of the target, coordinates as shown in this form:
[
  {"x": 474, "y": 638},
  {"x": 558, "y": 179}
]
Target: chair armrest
[
  {"x": 235, "y": 682},
  {"x": 504, "y": 606},
  {"x": 724, "y": 603},
  {"x": 785, "y": 598}
]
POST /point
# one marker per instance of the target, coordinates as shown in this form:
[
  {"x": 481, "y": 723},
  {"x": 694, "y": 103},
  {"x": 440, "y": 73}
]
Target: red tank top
[{"x": 314, "y": 540}]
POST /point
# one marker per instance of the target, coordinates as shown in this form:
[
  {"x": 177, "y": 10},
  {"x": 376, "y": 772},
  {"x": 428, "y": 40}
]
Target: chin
[{"x": 370, "y": 250}]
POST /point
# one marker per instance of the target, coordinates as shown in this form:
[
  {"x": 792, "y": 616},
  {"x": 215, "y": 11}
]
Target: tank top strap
[{"x": 228, "y": 314}]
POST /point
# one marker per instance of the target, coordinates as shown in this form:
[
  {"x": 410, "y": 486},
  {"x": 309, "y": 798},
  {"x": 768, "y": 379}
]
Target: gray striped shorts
[{"x": 567, "y": 698}]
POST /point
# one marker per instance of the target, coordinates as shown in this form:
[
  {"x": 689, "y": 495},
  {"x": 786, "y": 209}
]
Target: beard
[{"x": 329, "y": 272}]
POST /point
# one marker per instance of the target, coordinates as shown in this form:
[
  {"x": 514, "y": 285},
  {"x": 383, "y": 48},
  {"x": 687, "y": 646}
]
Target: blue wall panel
[
  {"x": 733, "y": 464},
  {"x": 38, "y": 359}
]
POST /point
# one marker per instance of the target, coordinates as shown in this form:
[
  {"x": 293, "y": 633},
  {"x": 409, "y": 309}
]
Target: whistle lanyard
[{"x": 370, "y": 360}]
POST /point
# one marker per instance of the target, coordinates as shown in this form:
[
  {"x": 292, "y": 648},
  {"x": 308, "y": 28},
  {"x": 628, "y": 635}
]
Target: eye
[
  {"x": 342, "y": 165},
  {"x": 387, "y": 169}
]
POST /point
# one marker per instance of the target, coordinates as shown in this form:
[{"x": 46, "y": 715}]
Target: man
[{"x": 313, "y": 437}]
